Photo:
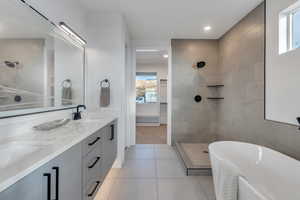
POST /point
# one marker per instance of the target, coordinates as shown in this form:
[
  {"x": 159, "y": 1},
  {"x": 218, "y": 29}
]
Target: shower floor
[{"x": 195, "y": 158}]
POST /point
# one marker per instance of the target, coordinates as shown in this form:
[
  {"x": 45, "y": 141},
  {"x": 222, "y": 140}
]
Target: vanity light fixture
[
  {"x": 166, "y": 56},
  {"x": 69, "y": 31},
  {"x": 147, "y": 50},
  {"x": 207, "y": 28}
]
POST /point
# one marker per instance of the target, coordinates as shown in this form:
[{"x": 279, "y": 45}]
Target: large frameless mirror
[{"x": 41, "y": 66}]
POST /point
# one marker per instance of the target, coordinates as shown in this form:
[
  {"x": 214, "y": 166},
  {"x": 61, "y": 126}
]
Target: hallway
[
  {"x": 153, "y": 172},
  {"x": 151, "y": 134}
]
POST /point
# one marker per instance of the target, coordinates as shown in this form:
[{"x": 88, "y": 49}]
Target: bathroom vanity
[{"x": 68, "y": 163}]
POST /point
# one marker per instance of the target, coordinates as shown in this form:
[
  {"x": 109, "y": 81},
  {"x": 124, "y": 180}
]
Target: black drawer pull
[
  {"x": 112, "y": 136},
  {"x": 48, "y": 175},
  {"x": 95, "y": 141},
  {"x": 94, "y": 163},
  {"x": 94, "y": 190},
  {"x": 56, "y": 169}
]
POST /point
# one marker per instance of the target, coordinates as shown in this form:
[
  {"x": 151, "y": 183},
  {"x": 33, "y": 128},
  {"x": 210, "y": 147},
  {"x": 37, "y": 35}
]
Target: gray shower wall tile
[
  {"x": 241, "y": 114},
  {"x": 194, "y": 121},
  {"x": 237, "y": 61}
]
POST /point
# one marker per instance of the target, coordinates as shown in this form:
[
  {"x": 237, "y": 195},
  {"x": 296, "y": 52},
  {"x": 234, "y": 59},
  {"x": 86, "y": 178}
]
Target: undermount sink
[
  {"x": 241, "y": 169},
  {"x": 12, "y": 153}
]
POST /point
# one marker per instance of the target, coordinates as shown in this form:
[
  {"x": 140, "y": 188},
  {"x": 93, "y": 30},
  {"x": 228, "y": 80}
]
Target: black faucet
[{"x": 77, "y": 115}]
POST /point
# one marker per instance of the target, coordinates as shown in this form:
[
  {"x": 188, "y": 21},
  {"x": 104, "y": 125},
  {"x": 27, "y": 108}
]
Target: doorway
[{"x": 151, "y": 96}]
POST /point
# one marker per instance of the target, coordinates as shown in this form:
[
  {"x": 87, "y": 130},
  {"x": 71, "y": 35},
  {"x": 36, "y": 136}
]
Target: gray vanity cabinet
[
  {"x": 109, "y": 147},
  {"x": 76, "y": 174},
  {"x": 28, "y": 188},
  {"x": 59, "y": 179},
  {"x": 68, "y": 180},
  {"x": 92, "y": 164}
]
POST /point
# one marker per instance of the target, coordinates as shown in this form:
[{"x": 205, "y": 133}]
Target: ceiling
[
  {"x": 152, "y": 58},
  {"x": 23, "y": 23},
  {"x": 166, "y": 19}
]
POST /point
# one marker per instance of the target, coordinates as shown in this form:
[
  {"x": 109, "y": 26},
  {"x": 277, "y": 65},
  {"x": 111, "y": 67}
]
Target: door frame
[{"x": 163, "y": 46}]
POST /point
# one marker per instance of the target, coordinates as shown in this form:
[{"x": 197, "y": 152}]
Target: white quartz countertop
[{"x": 23, "y": 151}]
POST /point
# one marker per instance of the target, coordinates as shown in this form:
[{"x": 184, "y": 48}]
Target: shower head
[
  {"x": 11, "y": 64},
  {"x": 199, "y": 65}
]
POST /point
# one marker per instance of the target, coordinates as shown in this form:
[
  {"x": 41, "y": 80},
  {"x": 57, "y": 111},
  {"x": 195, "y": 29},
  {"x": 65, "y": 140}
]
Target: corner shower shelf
[
  {"x": 215, "y": 86},
  {"x": 215, "y": 98}
]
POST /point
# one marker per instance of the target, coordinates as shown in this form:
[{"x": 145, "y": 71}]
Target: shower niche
[{"x": 41, "y": 66}]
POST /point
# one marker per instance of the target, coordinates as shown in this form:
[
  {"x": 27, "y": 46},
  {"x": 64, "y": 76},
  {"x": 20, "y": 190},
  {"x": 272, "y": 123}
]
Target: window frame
[
  {"x": 157, "y": 86},
  {"x": 288, "y": 17},
  {"x": 291, "y": 36}
]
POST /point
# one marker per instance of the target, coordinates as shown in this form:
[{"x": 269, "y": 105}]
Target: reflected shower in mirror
[{"x": 41, "y": 68}]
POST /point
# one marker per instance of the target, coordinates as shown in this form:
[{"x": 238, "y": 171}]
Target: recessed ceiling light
[
  {"x": 147, "y": 50},
  {"x": 166, "y": 56},
  {"x": 207, "y": 28}
]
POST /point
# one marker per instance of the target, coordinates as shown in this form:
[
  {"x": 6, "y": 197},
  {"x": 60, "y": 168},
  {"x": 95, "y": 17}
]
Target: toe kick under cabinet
[{"x": 76, "y": 174}]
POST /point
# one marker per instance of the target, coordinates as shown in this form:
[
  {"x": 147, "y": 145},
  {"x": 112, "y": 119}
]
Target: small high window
[
  {"x": 296, "y": 29},
  {"x": 289, "y": 28}
]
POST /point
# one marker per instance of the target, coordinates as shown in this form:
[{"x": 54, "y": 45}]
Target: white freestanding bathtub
[{"x": 245, "y": 171}]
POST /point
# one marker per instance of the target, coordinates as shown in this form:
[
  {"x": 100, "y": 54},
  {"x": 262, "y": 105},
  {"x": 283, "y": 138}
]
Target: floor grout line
[
  {"x": 155, "y": 179},
  {"x": 156, "y": 174}
]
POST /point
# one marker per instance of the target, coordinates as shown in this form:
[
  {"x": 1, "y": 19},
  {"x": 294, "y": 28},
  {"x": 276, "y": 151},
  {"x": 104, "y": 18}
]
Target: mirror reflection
[{"x": 40, "y": 66}]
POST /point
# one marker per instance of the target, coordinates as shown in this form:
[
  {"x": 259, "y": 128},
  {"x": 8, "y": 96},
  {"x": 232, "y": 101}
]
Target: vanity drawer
[
  {"x": 91, "y": 142},
  {"x": 92, "y": 165},
  {"x": 92, "y": 189}
]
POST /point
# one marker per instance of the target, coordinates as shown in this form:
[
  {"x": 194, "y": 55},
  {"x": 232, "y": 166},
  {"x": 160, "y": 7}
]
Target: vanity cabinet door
[
  {"x": 67, "y": 175},
  {"x": 59, "y": 179},
  {"x": 109, "y": 147},
  {"x": 31, "y": 187}
]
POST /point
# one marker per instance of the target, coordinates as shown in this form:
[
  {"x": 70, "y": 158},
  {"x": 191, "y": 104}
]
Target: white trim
[
  {"x": 133, "y": 98},
  {"x": 286, "y": 18},
  {"x": 161, "y": 45},
  {"x": 147, "y": 124},
  {"x": 169, "y": 96}
]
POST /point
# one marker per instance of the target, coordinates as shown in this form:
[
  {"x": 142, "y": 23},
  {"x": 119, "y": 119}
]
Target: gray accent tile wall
[
  {"x": 241, "y": 114},
  {"x": 237, "y": 61},
  {"x": 193, "y": 121}
]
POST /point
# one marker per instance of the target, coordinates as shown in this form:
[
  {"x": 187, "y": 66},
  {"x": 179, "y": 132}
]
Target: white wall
[
  {"x": 149, "y": 109},
  {"x": 282, "y": 71},
  {"x": 68, "y": 11},
  {"x": 107, "y": 39},
  {"x": 130, "y": 94},
  {"x": 160, "y": 68},
  {"x": 68, "y": 65}
]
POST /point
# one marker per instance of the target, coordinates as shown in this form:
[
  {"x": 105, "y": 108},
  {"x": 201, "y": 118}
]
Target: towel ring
[
  {"x": 105, "y": 81},
  {"x": 67, "y": 81}
]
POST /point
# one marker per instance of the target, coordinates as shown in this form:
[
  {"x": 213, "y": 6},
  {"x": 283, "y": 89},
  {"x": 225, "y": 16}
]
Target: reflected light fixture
[
  {"x": 147, "y": 50},
  {"x": 69, "y": 31},
  {"x": 166, "y": 56},
  {"x": 207, "y": 28}
]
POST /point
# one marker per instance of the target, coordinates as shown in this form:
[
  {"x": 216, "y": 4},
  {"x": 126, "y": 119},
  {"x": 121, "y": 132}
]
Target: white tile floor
[{"x": 153, "y": 172}]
